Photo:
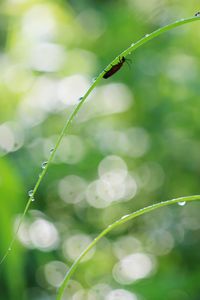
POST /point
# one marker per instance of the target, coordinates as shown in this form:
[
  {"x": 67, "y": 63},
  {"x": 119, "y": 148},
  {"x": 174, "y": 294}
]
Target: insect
[{"x": 114, "y": 68}]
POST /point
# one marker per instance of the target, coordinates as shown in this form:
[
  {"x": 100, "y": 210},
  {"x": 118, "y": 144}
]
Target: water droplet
[
  {"x": 51, "y": 151},
  {"x": 182, "y": 203},
  {"x": 9, "y": 249},
  {"x": 79, "y": 99},
  {"x": 124, "y": 217},
  {"x": 132, "y": 44},
  {"x": 146, "y": 35},
  {"x": 30, "y": 193},
  {"x": 44, "y": 164},
  {"x": 197, "y": 14},
  {"x": 32, "y": 199}
]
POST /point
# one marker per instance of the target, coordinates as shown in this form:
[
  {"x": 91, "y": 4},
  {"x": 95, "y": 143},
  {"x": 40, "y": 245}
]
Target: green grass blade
[
  {"x": 126, "y": 52},
  {"x": 114, "y": 225}
]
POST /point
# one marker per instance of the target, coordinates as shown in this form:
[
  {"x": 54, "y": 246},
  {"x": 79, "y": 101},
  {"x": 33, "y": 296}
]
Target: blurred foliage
[{"x": 135, "y": 142}]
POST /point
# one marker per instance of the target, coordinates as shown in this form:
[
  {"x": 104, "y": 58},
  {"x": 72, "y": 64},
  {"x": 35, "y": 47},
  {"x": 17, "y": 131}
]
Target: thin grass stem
[
  {"x": 114, "y": 225},
  {"x": 66, "y": 127}
]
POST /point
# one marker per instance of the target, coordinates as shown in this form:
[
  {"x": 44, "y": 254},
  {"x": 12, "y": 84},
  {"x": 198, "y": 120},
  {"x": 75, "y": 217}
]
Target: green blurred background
[{"x": 134, "y": 143}]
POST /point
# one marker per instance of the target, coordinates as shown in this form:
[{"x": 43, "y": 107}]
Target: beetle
[{"x": 114, "y": 68}]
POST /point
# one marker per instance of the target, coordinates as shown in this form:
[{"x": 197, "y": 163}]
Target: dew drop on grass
[
  {"x": 79, "y": 99},
  {"x": 132, "y": 44},
  {"x": 44, "y": 164},
  {"x": 51, "y": 151},
  {"x": 124, "y": 217},
  {"x": 146, "y": 35},
  {"x": 197, "y": 14},
  {"x": 182, "y": 203},
  {"x": 30, "y": 193}
]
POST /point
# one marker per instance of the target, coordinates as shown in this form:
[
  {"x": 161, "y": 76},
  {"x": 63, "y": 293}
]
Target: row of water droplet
[{"x": 43, "y": 166}]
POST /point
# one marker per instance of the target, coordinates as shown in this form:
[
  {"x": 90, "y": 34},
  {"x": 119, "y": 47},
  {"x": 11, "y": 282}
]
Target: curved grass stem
[
  {"x": 114, "y": 225},
  {"x": 126, "y": 52}
]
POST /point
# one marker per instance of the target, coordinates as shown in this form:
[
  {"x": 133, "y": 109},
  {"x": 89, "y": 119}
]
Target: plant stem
[
  {"x": 126, "y": 52},
  {"x": 114, "y": 225}
]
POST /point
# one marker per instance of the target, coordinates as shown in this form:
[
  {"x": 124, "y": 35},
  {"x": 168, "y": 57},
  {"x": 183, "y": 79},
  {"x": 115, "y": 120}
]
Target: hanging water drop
[
  {"x": 44, "y": 164},
  {"x": 32, "y": 199},
  {"x": 132, "y": 44},
  {"x": 182, "y": 203},
  {"x": 30, "y": 193},
  {"x": 146, "y": 35},
  {"x": 51, "y": 151}
]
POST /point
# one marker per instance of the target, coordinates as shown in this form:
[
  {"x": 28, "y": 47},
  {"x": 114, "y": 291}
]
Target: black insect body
[{"x": 115, "y": 68}]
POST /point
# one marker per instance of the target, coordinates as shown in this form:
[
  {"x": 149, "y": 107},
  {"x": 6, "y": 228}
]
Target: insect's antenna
[{"x": 128, "y": 61}]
